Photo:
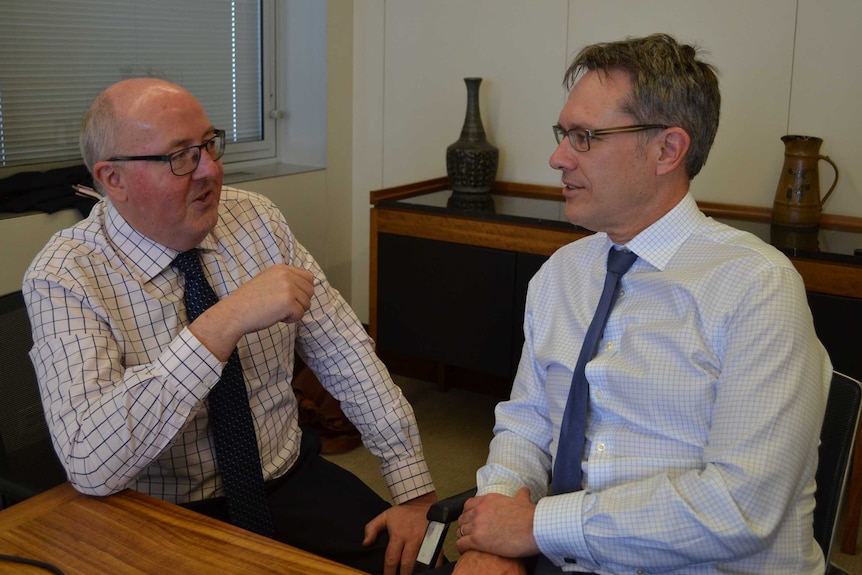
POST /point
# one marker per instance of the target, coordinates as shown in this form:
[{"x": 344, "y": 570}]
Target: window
[{"x": 57, "y": 55}]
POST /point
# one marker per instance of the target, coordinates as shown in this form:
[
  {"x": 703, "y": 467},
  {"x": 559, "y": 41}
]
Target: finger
[
  {"x": 302, "y": 278},
  {"x": 303, "y": 300},
  {"x": 523, "y": 493},
  {"x": 392, "y": 559},
  {"x": 408, "y": 558},
  {"x": 463, "y": 544},
  {"x": 471, "y": 503},
  {"x": 297, "y": 308},
  {"x": 293, "y": 317},
  {"x": 373, "y": 529}
]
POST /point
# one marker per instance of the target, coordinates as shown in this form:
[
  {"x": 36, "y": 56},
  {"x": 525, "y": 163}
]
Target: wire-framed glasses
[
  {"x": 184, "y": 161},
  {"x": 580, "y": 138}
]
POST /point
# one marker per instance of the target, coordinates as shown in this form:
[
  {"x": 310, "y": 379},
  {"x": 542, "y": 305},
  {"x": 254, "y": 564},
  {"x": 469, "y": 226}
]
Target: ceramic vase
[
  {"x": 471, "y": 162},
  {"x": 797, "y": 199}
]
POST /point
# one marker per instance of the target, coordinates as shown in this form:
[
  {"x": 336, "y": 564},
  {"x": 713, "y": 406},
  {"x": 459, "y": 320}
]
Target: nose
[
  {"x": 563, "y": 157},
  {"x": 207, "y": 167}
]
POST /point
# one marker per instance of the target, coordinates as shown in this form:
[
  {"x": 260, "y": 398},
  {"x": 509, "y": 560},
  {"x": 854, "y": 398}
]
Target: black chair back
[
  {"x": 28, "y": 463},
  {"x": 837, "y": 438}
]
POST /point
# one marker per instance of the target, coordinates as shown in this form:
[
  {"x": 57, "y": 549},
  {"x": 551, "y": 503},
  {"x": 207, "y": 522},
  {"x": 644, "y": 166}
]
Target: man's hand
[
  {"x": 406, "y": 525},
  {"x": 499, "y": 525},
  {"x": 479, "y": 563},
  {"x": 278, "y": 293}
]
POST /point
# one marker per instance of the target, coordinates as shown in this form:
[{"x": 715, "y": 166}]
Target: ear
[
  {"x": 672, "y": 150},
  {"x": 111, "y": 180}
]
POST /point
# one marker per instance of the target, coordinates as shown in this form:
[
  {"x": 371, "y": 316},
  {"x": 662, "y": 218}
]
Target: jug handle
[{"x": 834, "y": 182}]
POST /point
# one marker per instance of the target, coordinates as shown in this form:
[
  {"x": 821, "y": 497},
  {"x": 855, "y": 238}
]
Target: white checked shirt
[
  {"x": 123, "y": 381},
  {"x": 706, "y": 400}
]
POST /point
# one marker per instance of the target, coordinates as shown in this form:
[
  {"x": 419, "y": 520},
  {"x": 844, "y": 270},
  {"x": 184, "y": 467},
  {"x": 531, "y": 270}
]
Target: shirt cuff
[
  {"x": 558, "y": 528},
  {"x": 192, "y": 366},
  {"x": 408, "y": 481}
]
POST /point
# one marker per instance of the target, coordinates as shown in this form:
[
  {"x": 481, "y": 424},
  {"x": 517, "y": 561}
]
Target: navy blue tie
[
  {"x": 570, "y": 448},
  {"x": 230, "y": 418}
]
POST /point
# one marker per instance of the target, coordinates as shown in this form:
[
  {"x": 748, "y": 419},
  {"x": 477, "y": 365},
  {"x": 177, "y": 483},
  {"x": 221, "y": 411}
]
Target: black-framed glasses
[
  {"x": 185, "y": 161},
  {"x": 580, "y": 138}
]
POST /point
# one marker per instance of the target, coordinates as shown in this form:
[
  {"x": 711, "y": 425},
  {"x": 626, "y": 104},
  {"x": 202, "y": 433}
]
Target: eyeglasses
[
  {"x": 580, "y": 138},
  {"x": 185, "y": 161}
]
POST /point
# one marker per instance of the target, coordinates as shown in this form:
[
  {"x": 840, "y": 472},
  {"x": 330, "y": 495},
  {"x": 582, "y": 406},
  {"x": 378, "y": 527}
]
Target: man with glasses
[
  {"x": 684, "y": 440},
  {"x": 129, "y": 356}
]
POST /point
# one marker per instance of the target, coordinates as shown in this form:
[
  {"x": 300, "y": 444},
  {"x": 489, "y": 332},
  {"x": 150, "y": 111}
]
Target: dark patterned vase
[{"x": 471, "y": 162}]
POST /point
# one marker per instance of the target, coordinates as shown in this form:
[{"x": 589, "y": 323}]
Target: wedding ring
[{"x": 460, "y": 532}]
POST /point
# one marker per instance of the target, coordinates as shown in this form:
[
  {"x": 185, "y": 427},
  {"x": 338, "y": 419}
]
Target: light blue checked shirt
[{"x": 706, "y": 401}]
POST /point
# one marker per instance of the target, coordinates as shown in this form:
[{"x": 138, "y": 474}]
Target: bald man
[{"x": 125, "y": 376}]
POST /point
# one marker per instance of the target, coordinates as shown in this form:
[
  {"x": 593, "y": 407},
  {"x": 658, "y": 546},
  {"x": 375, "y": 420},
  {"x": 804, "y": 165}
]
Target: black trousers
[{"x": 319, "y": 507}]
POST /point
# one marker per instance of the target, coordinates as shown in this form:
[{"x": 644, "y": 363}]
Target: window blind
[{"x": 57, "y": 55}]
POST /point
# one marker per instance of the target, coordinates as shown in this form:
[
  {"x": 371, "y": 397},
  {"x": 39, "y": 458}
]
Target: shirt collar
[
  {"x": 144, "y": 257},
  {"x": 659, "y": 242}
]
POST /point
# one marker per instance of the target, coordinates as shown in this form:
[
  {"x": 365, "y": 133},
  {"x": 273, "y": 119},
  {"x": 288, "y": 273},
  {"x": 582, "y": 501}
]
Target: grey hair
[
  {"x": 98, "y": 132},
  {"x": 669, "y": 86}
]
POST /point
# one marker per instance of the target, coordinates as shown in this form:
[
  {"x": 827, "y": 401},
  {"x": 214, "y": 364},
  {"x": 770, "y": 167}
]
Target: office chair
[
  {"x": 837, "y": 438},
  {"x": 28, "y": 464}
]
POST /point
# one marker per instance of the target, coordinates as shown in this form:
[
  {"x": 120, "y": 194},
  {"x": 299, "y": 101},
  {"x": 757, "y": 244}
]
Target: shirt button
[
  {"x": 601, "y": 447},
  {"x": 609, "y": 346},
  {"x": 640, "y": 572},
  {"x": 599, "y": 394},
  {"x": 622, "y": 293}
]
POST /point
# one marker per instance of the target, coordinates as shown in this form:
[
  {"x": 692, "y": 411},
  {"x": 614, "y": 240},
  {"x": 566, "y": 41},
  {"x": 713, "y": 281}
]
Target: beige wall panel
[
  {"x": 22, "y": 238},
  {"x": 826, "y": 98},
  {"x": 751, "y": 44},
  {"x": 785, "y": 66},
  {"x": 368, "y": 59},
  {"x": 518, "y": 49},
  {"x": 302, "y": 200}
]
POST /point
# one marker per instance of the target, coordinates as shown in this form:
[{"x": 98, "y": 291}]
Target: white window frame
[{"x": 266, "y": 148}]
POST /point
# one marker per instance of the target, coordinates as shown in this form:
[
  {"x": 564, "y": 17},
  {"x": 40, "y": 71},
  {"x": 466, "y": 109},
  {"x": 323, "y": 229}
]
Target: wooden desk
[{"x": 134, "y": 533}]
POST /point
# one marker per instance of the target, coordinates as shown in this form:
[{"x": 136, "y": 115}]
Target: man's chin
[{"x": 574, "y": 215}]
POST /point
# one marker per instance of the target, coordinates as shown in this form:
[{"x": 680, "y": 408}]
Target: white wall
[
  {"x": 785, "y": 67},
  {"x": 301, "y": 80},
  {"x": 22, "y": 238}
]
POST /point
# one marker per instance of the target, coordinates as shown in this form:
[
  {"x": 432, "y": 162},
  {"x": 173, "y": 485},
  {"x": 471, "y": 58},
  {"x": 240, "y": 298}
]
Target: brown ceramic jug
[{"x": 797, "y": 199}]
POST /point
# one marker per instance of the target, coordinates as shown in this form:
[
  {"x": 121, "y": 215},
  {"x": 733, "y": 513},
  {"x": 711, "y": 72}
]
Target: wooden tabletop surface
[{"x": 134, "y": 533}]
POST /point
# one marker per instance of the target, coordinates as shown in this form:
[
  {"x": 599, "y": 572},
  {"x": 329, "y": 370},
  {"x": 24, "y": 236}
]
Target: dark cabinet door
[
  {"x": 446, "y": 302},
  {"x": 528, "y": 265},
  {"x": 838, "y": 322}
]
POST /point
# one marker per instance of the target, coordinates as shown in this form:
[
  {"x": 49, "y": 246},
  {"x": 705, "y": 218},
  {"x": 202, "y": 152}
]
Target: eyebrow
[
  {"x": 178, "y": 145},
  {"x": 574, "y": 127}
]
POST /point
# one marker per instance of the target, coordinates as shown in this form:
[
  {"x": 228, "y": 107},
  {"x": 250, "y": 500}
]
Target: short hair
[
  {"x": 98, "y": 131},
  {"x": 669, "y": 86}
]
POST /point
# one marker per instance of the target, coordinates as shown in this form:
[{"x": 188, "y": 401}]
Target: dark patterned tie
[
  {"x": 230, "y": 418},
  {"x": 567, "y": 465}
]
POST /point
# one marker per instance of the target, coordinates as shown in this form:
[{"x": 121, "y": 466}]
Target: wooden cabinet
[
  {"x": 448, "y": 287},
  {"x": 446, "y": 302}
]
